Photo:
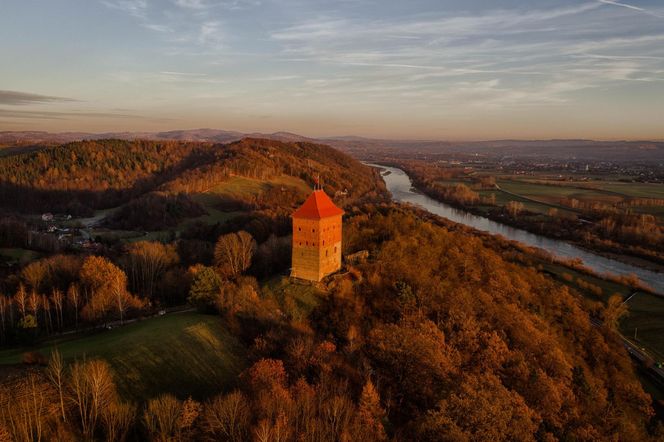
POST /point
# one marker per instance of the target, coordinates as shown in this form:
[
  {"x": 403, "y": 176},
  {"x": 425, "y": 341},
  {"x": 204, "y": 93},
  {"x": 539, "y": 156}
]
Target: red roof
[{"x": 317, "y": 206}]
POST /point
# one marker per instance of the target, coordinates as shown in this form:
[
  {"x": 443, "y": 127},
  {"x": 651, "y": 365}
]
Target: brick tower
[{"x": 316, "y": 238}]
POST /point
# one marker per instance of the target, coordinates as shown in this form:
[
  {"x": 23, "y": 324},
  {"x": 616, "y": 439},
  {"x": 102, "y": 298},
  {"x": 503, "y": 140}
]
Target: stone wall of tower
[{"x": 316, "y": 247}]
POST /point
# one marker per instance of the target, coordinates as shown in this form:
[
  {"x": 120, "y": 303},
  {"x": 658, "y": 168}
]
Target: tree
[
  {"x": 227, "y": 417},
  {"x": 106, "y": 285},
  {"x": 55, "y": 371},
  {"x": 615, "y": 309},
  {"x": 371, "y": 414},
  {"x": 205, "y": 287},
  {"x": 74, "y": 300},
  {"x": 146, "y": 262},
  {"x": 92, "y": 391},
  {"x": 514, "y": 208},
  {"x": 161, "y": 417},
  {"x": 233, "y": 253}
]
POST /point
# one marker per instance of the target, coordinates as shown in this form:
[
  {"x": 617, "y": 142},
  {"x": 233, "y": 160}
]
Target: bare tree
[
  {"x": 233, "y": 253},
  {"x": 146, "y": 263},
  {"x": 92, "y": 390},
  {"x": 21, "y": 300},
  {"x": 74, "y": 299},
  {"x": 56, "y": 375},
  {"x": 228, "y": 417},
  {"x": 117, "y": 419},
  {"x": 58, "y": 298}
]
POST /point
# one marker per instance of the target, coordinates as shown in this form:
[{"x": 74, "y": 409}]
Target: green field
[
  {"x": 502, "y": 198},
  {"x": 296, "y": 299},
  {"x": 17, "y": 256},
  {"x": 181, "y": 353},
  {"x": 646, "y": 315},
  {"x": 553, "y": 194},
  {"x": 638, "y": 190},
  {"x": 242, "y": 187}
]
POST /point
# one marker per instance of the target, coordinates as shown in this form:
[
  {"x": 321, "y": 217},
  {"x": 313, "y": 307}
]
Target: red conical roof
[{"x": 317, "y": 206}]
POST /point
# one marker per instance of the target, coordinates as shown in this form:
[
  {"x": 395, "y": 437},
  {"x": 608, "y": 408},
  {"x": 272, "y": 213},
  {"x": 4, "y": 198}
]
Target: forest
[{"x": 435, "y": 336}]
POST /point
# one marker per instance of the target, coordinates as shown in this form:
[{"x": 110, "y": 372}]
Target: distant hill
[
  {"x": 361, "y": 147},
  {"x": 79, "y": 176}
]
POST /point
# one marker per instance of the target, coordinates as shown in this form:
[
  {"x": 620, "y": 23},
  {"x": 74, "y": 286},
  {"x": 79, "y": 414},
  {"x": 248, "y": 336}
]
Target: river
[{"x": 401, "y": 187}]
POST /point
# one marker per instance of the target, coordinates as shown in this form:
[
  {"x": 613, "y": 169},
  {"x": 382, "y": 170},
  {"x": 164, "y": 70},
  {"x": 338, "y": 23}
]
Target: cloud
[
  {"x": 19, "y": 98},
  {"x": 64, "y": 115},
  {"x": 135, "y": 8},
  {"x": 632, "y": 7}
]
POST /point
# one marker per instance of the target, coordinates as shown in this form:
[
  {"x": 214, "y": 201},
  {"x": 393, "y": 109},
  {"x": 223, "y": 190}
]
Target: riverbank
[
  {"x": 574, "y": 230},
  {"x": 401, "y": 187}
]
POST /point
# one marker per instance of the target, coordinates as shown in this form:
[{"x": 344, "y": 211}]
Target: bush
[{"x": 33, "y": 358}]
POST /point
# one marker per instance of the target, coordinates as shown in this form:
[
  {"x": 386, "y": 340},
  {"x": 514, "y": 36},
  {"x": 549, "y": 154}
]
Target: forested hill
[{"x": 80, "y": 176}]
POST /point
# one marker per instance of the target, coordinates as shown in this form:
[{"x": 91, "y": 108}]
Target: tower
[{"x": 316, "y": 238}]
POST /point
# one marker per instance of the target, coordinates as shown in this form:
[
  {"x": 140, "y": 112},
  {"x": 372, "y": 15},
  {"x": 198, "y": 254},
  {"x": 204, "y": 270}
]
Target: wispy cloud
[
  {"x": 135, "y": 8},
  {"x": 632, "y": 7},
  {"x": 22, "y": 98}
]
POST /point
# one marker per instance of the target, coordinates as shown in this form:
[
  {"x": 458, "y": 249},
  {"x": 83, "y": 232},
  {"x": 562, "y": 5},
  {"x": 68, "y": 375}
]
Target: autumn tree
[
  {"x": 371, "y": 414},
  {"x": 615, "y": 309},
  {"x": 233, "y": 253},
  {"x": 205, "y": 287},
  {"x": 106, "y": 286},
  {"x": 146, "y": 263}
]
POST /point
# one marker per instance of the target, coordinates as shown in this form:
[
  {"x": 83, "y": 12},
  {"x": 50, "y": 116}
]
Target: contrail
[{"x": 628, "y": 6}]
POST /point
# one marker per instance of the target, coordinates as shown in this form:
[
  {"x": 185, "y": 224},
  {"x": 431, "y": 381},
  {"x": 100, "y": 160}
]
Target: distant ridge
[{"x": 579, "y": 149}]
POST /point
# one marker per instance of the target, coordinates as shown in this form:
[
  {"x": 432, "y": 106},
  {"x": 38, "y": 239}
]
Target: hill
[
  {"x": 106, "y": 173},
  {"x": 361, "y": 147}
]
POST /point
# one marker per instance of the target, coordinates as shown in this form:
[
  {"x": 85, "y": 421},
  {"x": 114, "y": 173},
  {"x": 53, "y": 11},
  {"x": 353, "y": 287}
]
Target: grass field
[
  {"x": 181, "y": 353},
  {"x": 553, "y": 194},
  {"x": 241, "y": 187},
  {"x": 639, "y": 190},
  {"x": 502, "y": 198},
  {"x": 296, "y": 299},
  {"x": 646, "y": 315},
  {"x": 17, "y": 256}
]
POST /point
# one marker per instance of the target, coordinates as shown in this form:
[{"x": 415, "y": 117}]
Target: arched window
[{"x": 335, "y": 249}]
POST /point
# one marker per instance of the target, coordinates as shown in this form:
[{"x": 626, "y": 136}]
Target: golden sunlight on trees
[
  {"x": 105, "y": 286},
  {"x": 233, "y": 253}
]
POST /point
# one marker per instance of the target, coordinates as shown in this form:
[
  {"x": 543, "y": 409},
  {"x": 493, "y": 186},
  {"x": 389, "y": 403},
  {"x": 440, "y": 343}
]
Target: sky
[{"x": 418, "y": 69}]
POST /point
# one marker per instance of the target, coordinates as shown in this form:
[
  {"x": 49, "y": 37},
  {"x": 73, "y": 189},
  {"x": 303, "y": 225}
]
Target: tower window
[
  {"x": 313, "y": 230},
  {"x": 299, "y": 229},
  {"x": 335, "y": 249}
]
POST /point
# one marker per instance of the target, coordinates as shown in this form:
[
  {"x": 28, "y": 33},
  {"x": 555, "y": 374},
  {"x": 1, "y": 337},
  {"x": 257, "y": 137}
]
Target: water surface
[{"x": 401, "y": 187}]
